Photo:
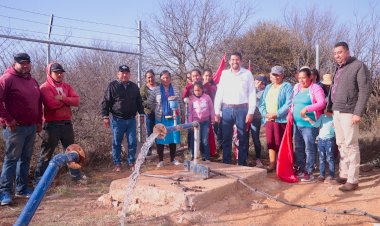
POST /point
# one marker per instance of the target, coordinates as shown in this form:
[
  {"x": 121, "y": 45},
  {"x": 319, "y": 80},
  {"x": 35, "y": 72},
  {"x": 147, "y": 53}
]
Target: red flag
[
  {"x": 221, "y": 67},
  {"x": 285, "y": 155},
  {"x": 211, "y": 140}
]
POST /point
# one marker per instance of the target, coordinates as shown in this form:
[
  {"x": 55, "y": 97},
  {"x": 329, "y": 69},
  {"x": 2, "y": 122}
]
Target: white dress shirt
[{"x": 236, "y": 89}]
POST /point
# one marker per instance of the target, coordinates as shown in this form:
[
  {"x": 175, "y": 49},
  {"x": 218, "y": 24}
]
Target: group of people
[
  {"x": 25, "y": 107},
  {"x": 239, "y": 100}
]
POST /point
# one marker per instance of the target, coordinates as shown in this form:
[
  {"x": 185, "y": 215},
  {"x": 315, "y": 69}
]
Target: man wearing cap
[
  {"x": 123, "y": 100},
  {"x": 57, "y": 97},
  {"x": 21, "y": 115},
  {"x": 236, "y": 100},
  {"x": 349, "y": 94}
]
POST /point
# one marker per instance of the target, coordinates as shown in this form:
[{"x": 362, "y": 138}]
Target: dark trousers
[
  {"x": 53, "y": 133},
  {"x": 160, "y": 151}
]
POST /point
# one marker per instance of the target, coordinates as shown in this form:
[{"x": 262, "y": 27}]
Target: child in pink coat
[{"x": 201, "y": 110}]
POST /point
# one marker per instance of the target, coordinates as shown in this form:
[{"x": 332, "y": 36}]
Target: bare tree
[
  {"x": 310, "y": 28},
  {"x": 186, "y": 34}
]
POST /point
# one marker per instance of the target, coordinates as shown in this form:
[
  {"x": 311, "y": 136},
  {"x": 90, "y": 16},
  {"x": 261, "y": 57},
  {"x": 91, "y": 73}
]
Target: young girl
[{"x": 201, "y": 110}]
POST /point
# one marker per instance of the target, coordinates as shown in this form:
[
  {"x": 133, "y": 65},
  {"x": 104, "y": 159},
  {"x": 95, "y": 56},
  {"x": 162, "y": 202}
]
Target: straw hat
[{"x": 327, "y": 79}]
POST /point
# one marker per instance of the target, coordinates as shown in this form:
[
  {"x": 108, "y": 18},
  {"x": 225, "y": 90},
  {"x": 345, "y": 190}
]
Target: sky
[{"x": 124, "y": 14}]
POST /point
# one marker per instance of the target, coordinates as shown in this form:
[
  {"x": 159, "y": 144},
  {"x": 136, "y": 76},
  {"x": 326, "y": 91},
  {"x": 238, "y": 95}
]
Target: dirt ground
[{"x": 67, "y": 203}]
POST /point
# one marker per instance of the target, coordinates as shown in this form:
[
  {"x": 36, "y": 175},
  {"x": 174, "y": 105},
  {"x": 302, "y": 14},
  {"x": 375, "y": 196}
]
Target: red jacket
[
  {"x": 57, "y": 110},
  {"x": 20, "y": 99}
]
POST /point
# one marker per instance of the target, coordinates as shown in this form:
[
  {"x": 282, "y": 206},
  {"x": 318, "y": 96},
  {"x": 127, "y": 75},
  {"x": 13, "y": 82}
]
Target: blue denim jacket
[{"x": 284, "y": 102}]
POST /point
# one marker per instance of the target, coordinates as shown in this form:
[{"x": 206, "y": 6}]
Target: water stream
[{"x": 135, "y": 175}]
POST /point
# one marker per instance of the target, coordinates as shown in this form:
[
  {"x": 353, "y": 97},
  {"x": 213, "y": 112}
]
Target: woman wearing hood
[{"x": 57, "y": 97}]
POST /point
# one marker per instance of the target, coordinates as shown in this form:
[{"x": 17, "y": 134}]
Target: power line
[
  {"x": 74, "y": 28},
  {"x": 66, "y": 18}
]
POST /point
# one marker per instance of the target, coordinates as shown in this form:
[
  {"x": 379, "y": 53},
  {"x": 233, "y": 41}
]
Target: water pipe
[
  {"x": 73, "y": 157},
  {"x": 173, "y": 104},
  {"x": 161, "y": 130}
]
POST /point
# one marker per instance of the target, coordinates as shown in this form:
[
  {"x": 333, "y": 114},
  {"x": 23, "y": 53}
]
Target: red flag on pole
[{"x": 221, "y": 67}]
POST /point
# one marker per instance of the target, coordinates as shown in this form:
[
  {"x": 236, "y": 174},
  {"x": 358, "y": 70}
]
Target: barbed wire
[
  {"x": 67, "y": 18},
  {"x": 69, "y": 36},
  {"x": 73, "y": 28}
]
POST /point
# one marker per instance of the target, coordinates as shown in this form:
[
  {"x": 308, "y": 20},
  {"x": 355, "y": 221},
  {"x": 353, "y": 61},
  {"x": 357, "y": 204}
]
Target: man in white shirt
[{"x": 236, "y": 100}]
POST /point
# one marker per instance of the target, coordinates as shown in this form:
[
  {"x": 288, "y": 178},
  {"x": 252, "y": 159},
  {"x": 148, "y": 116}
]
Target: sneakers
[
  {"x": 117, "y": 168},
  {"x": 349, "y": 187},
  {"x": 175, "y": 162},
  {"x": 25, "y": 194},
  {"x": 259, "y": 164},
  {"x": 307, "y": 177},
  {"x": 82, "y": 180},
  {"x": 160, "y": 164},
  {"x": 6, "y": 199}
]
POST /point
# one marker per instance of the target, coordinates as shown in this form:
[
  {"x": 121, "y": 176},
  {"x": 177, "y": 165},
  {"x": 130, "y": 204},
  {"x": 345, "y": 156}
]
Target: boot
[{"x": 272, "y": 160}]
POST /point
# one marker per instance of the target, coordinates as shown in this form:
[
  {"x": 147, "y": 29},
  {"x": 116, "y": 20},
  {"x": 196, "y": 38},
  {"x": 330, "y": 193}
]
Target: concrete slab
[{"x": 170, "y": 195}]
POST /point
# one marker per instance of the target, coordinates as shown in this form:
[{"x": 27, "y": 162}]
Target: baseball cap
[
  {"x": 21, "y": 57},
  {"x": 124, "y": 68},
  {"x": 278, "y": 70},
  {"x": 56, "y": 67}
]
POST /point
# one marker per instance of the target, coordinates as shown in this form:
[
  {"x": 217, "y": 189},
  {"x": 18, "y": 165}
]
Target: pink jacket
[
  {"x": 57, "y": 110},
  {"x": 201, "y": 109},
  {"x": 317, "y": 99}
]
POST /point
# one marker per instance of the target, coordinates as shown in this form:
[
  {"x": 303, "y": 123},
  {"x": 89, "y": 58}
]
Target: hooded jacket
[
  {"x": 57, "y": 110},
  {"x": 20, "y": 99}
]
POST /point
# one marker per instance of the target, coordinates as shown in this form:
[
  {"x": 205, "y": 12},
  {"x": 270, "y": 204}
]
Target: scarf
[{"x": 166, "y": 110}]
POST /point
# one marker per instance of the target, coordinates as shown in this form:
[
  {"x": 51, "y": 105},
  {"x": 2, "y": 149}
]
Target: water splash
[{"x": 135, "y": 174}]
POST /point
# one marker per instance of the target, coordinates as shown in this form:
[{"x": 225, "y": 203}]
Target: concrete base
[{"x": 162, "y": 196}]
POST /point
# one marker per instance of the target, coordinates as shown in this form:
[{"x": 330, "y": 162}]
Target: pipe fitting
[
  {"x": 82, "y": 155},
  {"x": 161, "y": 130}
]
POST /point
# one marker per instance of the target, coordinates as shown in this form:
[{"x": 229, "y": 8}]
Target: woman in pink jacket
[
  {"x": 308, "y": 100},
  {"x": 201, "y": 110}
]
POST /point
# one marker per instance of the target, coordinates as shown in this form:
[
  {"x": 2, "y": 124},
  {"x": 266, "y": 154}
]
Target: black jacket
[
  {"x": 122, "y": 102},
  {"x": 353, "y": 88}
]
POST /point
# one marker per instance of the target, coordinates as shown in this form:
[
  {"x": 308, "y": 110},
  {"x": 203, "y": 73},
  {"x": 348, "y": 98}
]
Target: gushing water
[{"x": 135, "y": 174}]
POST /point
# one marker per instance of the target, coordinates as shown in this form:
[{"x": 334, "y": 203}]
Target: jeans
[
  {"x": 234, "y": 116},
  {"x": 53, "y": 133},
  {"x": 150, "y": 120},
  {"x": 18, "y": 152},
  {"x": 255, "y": 133},
  {"x": 304, "y": 142},
  {"x": 326, "y": 153},
  {"x": 204, "y": 145},
  {"x": 119, "y": 128}
]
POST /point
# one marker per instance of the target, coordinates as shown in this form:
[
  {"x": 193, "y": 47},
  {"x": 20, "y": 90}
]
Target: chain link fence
[{"x": 89, "y": 69}]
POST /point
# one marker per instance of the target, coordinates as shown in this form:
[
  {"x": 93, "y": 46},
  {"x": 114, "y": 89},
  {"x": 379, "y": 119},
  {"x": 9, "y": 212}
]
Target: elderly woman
[
  {"x": 274, "y": 107},
  {"x": 158, "y": 102},
  {"x": 145, "y": 91},
  {"x": 308, "y": 100}
]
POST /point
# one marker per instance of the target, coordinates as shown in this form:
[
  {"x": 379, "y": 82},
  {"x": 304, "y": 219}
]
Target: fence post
[
  {"x": 140, "y": 56},
  {"x": 48, "y": 39}
]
